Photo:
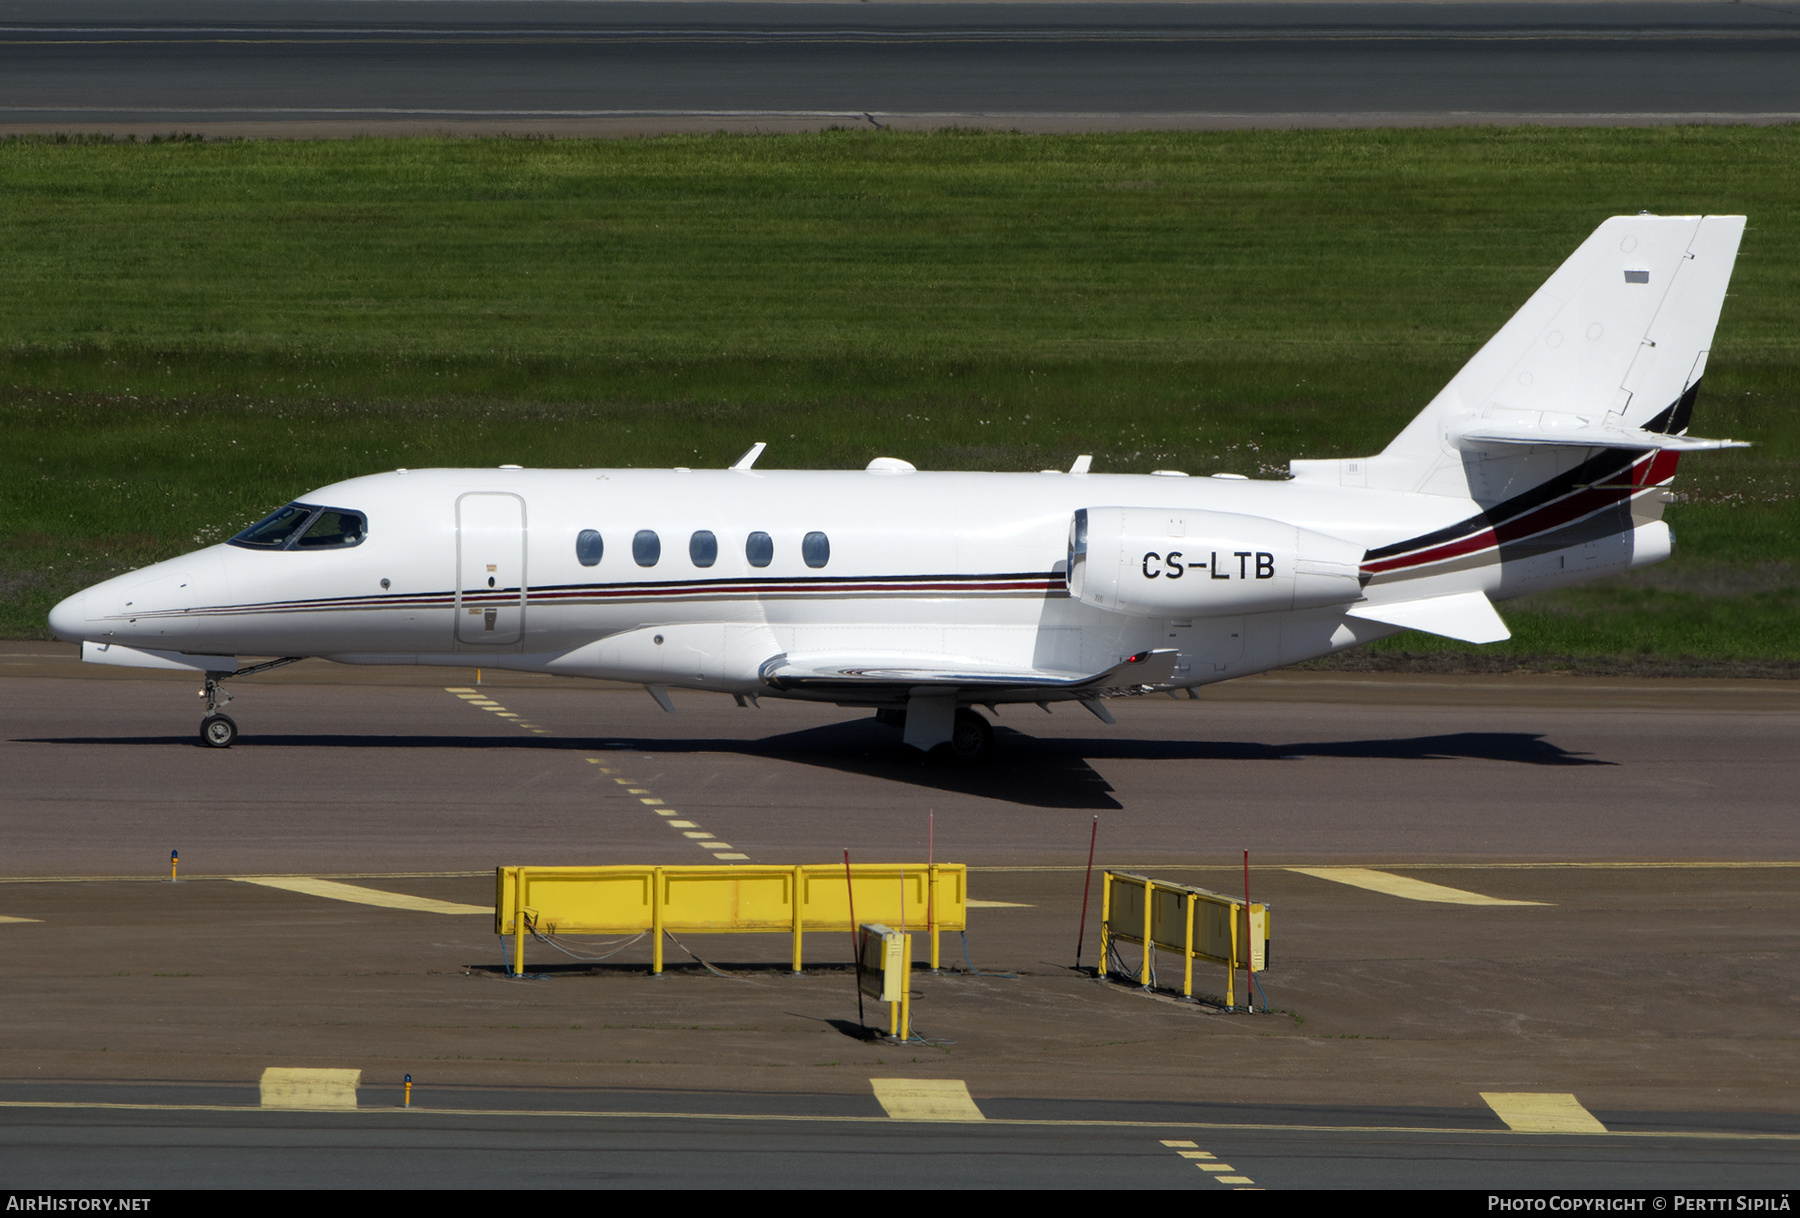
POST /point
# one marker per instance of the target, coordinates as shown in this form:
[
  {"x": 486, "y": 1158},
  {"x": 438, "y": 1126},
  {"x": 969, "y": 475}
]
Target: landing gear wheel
[
  {"x": 218, "y": 731},
  {"x": 971, "y": 738}
]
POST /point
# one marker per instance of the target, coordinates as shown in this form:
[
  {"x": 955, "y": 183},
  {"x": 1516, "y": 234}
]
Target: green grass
[{"x": 192, "y": 333}]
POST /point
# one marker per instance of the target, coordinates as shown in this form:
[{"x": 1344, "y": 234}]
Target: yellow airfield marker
[
  {"x": 926, "y": 1099},
  {"x": 1404, "y": 886},
  {"x": 311, "y": 1089},
  {"x": 1542, "y": 1112},
  {"x": 333, "y": 891}
]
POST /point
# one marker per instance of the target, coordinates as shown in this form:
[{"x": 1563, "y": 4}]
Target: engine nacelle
[{"x": 1171, "y": 562}]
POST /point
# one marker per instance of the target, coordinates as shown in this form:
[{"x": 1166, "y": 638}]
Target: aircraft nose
[{"x": 68, "y": 621}]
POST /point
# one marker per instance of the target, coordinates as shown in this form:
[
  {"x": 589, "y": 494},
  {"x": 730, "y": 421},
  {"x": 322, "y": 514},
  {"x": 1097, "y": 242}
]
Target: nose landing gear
[{"x": 219, "y": 730}]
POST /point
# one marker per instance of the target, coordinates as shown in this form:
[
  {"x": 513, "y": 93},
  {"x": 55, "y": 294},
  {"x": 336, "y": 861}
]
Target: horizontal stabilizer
[
  {"x": 1588, "y": 435},
  {"x": 1468, "y": 616},
  {"x": 133, "y": 657},
  {"x": 956, "y": 672}
]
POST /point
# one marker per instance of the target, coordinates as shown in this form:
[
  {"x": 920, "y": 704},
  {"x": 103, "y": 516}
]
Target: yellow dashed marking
[
  {"x": 6, "y": 918},
  {"x": 926, "y": 1099},
  {"x": 298, "y": 1087},
  {"x": 1542, "y": 1112},
  {"x": 689, "y": 829},
  {"x": 334, "y": 891},
  {"x": 458, "y": 689},
  {"x": 1214, "y": 1170},
  {"x": 1404, "y": 886},
  {"x": 699, "y": 836}
]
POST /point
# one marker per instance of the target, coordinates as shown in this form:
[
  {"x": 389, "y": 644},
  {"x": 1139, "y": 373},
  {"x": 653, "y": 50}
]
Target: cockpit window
[
  {"x": 302, "y": 526},
  {"x": 335, "y": 528},
  {"x": 276, "y": 530}
]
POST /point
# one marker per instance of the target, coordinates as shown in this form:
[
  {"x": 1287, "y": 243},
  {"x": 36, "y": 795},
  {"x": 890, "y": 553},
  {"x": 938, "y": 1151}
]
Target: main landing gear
[
  {"x": 219, "y": 730},
  {"x": 971, "y": 736}
]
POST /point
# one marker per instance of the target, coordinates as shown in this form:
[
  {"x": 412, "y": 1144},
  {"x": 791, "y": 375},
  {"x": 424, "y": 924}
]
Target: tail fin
[{"x": 1607, "y": 354}]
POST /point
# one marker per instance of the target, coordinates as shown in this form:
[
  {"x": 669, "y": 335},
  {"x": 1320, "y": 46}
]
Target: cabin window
[
  {"x": 646, "y": 547},
  {"x": 703, "y": 548},
  {"x": 274, "y": 531},
  {"x": 589, "y": 547},
  {"x": 759, "y": 548},
  {"x": 816, "y": 549},
  {"x": 333, "y": 529}
]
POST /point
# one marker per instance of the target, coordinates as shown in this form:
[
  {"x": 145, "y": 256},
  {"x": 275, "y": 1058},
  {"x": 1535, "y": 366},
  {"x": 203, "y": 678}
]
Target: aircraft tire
[
  {"x": 218, "y": 731},
  {"x": 971, "y": 739}
]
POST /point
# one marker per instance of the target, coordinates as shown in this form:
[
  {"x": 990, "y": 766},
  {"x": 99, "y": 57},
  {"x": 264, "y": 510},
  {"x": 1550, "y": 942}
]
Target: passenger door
[{"x": 490, "y": 569}]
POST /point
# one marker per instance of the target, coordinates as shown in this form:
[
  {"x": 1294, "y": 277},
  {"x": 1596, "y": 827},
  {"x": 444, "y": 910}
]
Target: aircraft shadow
[{"x": 1041, "y": 772}]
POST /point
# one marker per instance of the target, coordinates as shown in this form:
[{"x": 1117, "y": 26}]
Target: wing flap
[{"x": 909, "y": 672}]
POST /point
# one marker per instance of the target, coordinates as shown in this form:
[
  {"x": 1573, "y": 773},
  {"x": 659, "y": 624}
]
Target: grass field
[{"x": 192, "y": 333}]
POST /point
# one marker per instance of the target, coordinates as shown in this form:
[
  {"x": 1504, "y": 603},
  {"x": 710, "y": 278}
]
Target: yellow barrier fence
[
  {"x": 1197, "y": 923},
  {"x": 726, "y": 900}
]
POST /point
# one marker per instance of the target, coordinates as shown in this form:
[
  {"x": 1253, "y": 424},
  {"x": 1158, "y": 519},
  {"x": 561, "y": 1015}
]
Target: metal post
[
  {"x": 931, "y": 879},
  {"x": 656, "y": 921},
  {"x": 1231, "y": 968},
  {"x": 1105, "y": 913},
  {"x": 518, "y": 921},
  {"x": 905, "y": 987},
  {"x": 931, "y": 924},
  {"x": 1087, "y": 886},
  {"x": 799, "y": 879},
  {"x": 1144, "y": 970},
  {"x": 1187, "y": 951},
  {"x": 1249, "y": 947},
  {"x": 855, "y": 943}
]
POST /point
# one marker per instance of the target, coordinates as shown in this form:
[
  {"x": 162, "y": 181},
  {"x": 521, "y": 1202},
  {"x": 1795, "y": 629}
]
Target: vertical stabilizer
[{"x": 1615, "y": 340}]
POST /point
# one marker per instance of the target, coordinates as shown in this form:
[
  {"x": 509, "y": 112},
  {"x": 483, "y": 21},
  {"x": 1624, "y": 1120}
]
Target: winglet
[
  {"x": 750, "y": 456},
  {"x": 1468, "y": 616}
]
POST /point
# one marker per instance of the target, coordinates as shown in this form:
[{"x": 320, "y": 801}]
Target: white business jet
[{"x": 1544, "y": 462}]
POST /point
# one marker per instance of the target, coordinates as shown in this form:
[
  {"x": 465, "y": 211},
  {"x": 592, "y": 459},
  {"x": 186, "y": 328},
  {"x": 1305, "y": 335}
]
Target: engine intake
[{"x": 1169, "y": 562}]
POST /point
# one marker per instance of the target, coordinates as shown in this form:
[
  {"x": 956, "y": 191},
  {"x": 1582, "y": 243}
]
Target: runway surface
[
  {"x": 302, "y": 67},
  {"x": 1620, "y": 859}
]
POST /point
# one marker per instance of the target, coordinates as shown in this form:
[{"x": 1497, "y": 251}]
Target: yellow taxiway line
[
  {"x": 1027, "y": 1122},
  {"x": 334, "y": 891},
  {"x": 1404, "y": 886}
]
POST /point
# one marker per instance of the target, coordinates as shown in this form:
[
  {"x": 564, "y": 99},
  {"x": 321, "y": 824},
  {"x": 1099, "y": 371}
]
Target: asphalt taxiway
[
  {"x": 324, "y": 67},
  {"x": 1625, "y": 855}
]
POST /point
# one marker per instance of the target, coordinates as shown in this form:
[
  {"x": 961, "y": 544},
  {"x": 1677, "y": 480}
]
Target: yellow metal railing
[
  {"x": 726, "y": 900},
  {"x": 1198, "y": 923}
]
